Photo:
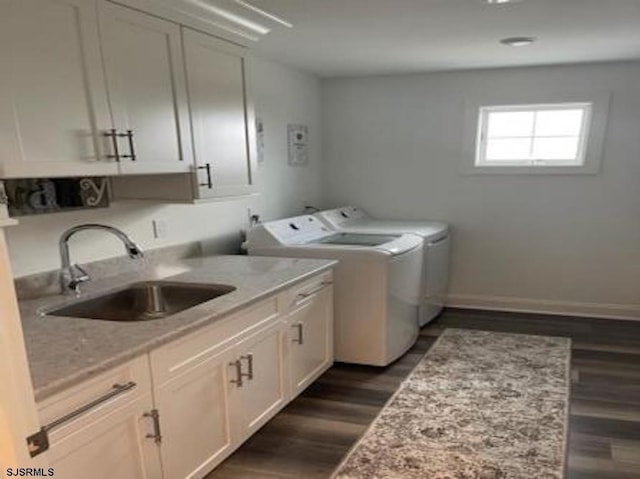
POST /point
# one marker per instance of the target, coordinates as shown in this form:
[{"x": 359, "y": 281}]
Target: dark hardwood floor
[{"x": 310, "y": 436}]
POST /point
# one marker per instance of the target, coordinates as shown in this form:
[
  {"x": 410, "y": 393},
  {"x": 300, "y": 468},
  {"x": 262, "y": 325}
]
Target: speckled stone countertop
[
  {"x": 64, "y": 351},
  {"x": 480, "y": 405}
]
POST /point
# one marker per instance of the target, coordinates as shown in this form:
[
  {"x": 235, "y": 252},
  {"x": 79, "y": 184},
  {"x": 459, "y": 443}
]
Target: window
[{"x": 547, "y": 135}]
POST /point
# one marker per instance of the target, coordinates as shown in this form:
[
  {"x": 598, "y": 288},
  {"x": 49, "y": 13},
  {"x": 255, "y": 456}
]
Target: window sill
[{"x": 532, "y": 170}]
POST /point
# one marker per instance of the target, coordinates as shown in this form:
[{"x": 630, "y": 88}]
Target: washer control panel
[{"x": 298, "y": 230}]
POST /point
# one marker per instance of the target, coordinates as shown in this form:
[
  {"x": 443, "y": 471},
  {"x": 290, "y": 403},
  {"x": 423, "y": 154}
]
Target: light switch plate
[{"x": 160, "y": 229}]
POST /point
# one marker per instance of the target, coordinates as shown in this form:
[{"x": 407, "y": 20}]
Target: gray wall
[{"x": 570, "y": 243}]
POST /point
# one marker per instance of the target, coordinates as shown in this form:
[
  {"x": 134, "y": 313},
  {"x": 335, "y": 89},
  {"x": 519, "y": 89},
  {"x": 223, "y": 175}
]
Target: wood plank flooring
[{"x": 308, "y": 439}]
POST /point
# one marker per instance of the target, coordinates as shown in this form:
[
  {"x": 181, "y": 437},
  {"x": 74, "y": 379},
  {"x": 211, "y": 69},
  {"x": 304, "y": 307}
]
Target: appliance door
[{"x": 436, "y": 278}]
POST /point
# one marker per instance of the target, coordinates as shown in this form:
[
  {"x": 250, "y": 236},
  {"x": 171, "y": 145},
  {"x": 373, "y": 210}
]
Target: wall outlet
[
  {"x": 253, "y": 217},
  {"x": 160, "y": 229}
]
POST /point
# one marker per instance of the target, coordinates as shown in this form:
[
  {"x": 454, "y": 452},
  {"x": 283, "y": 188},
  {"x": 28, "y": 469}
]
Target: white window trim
[{"x": 593, "y": 139}]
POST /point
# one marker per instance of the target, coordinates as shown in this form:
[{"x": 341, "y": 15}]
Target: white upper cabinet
[
  {"x": 89, "y": 87},
  {"x": 53, "y": 101},
  {"x": 221, "y": 115},
  {"x": 147, "y": 93}
]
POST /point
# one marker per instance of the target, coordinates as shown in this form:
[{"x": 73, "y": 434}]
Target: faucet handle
[
  {"x": 77, "y": 276},
  {"x": 84, "y": 276}
]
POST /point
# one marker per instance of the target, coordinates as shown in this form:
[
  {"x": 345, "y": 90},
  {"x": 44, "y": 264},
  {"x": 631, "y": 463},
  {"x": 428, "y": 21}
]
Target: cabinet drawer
[
  {"x": 114, "y": 446},
  {"x": 181, "y": 355},
  {"x": 294, "y": 297},
  {"x": 104, "y": 394}
]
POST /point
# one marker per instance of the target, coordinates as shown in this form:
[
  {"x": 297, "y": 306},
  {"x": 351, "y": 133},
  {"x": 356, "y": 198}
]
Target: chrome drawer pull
[
  {"x": 322, "y": 285},
  {"x": 155, "y": 415},
  {"x": 238, "y": 380},
  {"x": 300, "y": 328},
  {"x": 39, "y": 442},
  {"x": 116, "y": 390},
  {"x": 249, "y": 373}
]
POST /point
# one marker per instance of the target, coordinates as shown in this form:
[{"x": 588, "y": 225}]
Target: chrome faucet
[{"x": 72, "y": 276}]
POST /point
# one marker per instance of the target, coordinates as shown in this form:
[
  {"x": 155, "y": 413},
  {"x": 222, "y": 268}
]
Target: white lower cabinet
[
  {"x": 112, "y": 446},
  {"x": 212, "y": 407},
  {"x": 310, "y": 321},
  {"x": 181, "y": 410},
  {"x": 105, "y": 427},
  {"x": 257, "y": 385},
  {"x": 194, "y": 408}
]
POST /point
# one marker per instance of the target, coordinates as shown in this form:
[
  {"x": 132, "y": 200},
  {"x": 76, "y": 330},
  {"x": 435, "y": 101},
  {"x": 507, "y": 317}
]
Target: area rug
[{"x": 480, "y": 405}]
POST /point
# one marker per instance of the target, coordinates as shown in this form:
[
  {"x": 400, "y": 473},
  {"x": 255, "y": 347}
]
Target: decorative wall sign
[
  {"x": 32, "y": 196},
  {"x": 94, "y": 191},
  {"x": 260, "y": 140},
  {"x": 298, "y": 142}
]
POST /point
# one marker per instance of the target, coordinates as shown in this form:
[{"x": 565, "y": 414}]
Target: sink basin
[{"x": 144, "y": 301}]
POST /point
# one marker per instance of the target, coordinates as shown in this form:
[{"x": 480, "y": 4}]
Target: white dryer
[
  {"x": 376, "y": 283},
  {"x": 436, "y": 249}
]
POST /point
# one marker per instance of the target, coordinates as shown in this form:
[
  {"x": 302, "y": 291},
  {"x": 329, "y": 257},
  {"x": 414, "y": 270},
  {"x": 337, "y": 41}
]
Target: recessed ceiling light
[
  {"x": 518, "y": 41},
  {"x": 499, "y": 2}
]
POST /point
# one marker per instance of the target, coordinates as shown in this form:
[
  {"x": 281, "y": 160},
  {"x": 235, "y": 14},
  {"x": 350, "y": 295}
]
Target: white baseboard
[{"x": 524, "y": 305}]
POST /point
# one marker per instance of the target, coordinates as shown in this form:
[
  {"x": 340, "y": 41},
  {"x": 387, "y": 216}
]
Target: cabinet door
[
  {"x": 311, "y": 337},
  {"x": 115, "y": 445},
  {"x": 221, "y": 116},
  {"x": 53, "y": 101},
  {"x": 147, "y": 92},
  {"x": 262, "y": 392},
  {"x": 195, "y": 424}
]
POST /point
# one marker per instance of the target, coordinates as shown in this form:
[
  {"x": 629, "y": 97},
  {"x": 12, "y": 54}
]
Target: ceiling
[{"x": 356, "y": 37}]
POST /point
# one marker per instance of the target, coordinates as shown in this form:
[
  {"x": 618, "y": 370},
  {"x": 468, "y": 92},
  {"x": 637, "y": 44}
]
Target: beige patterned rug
[{"x": 480, "y": 405}]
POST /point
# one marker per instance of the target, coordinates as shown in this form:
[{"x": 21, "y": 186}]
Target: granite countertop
[{"x": 64, "y": 351}]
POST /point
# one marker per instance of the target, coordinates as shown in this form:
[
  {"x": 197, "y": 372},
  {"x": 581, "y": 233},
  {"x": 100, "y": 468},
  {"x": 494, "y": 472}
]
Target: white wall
[
  {"x": 547, "y": 243},
  {"x": 282, "y": 96}
]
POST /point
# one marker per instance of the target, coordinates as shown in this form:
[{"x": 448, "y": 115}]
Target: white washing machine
[
  {"x": 376, "y": 283},
  {"x": 436, "y": 249}
]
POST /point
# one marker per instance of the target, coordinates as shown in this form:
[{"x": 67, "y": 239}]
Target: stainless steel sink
[{"x": 144, "y": 301}]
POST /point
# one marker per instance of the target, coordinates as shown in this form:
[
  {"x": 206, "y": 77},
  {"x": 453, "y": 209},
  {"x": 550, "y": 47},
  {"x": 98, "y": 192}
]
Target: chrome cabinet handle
[
  {"x": 39, "y": 442},
  {"x": 249, "y": 373},
  {"x": 132, "y": 149},
  {"x": 116, "y": 390},
  {"x": 319, "y": 288},
  {"x": 155, "y": 415},
  {"x": 300, "y": 328},
  {"x": 207, "y": 168},
  {"x": 238, "y": 380},
  {"x": 113, "y": 134}
]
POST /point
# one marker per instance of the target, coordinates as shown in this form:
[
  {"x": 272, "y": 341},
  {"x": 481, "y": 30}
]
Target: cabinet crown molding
[{"x": 236, "y": 20}]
